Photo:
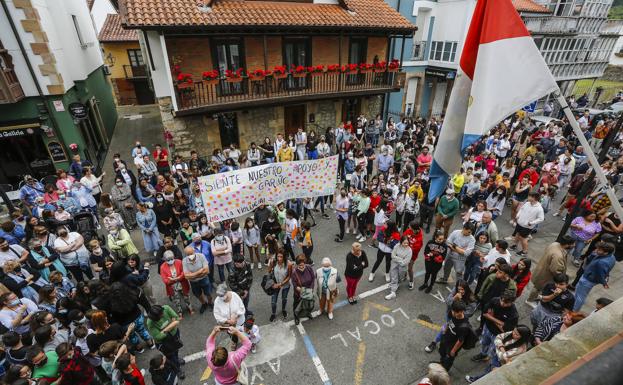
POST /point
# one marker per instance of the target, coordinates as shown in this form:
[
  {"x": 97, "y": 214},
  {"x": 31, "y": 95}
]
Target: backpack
[
  {"x": 470, "y": 338},
  {"x": 268, "y": 280}
]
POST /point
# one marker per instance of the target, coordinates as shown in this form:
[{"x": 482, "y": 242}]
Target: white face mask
[
  {"x": 170, "y": 261},
  {"x": 97, "y": 251}
]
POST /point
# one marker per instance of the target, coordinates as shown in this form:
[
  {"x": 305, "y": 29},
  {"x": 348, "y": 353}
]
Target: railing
[
  {"x": 551, "y": 24},
  {"x": 131, "y": 71},
  {"x": 212, "y": 95},
  {"x": 10, "y": 89},
  {"x": 612, "y": 27},
  {"x": 419, "y": 50}
]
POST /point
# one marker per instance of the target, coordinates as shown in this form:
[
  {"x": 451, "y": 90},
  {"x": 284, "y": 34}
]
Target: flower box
[
  {"x": 316, "y": 73},
  {"x": 184, "y": 86},
  {"x": 254, "y": 78},
  {"x": 209, "y": 82},
  {"x": 392, "y": 69},
  {"x": 234, "y": 80},
  {"x": 299, "y": 75},
  {"x": 365, "y": 71},
  {"x": 280, "y": 75}
]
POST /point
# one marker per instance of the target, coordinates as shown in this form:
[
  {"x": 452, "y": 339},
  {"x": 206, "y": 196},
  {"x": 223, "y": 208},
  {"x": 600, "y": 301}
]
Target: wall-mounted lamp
[{"x": 110, "y": 59}]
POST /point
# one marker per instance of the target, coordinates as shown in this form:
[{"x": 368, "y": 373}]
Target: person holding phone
[{"x": 226, "y": 365}]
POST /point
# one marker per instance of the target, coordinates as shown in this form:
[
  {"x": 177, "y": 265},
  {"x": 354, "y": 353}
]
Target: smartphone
[{"x": 223, "y": 327}]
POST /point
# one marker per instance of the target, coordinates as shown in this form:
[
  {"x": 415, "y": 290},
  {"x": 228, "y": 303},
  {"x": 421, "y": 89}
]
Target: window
[
  {"x": 443, "y": 51},
  {"x": 136, "y": 57},
  {"x": 78, "y": 32},
  {"x": 357, "y": 53},
  {"x": 228, "y": 56},
  {"x": 296, "y": 52}
]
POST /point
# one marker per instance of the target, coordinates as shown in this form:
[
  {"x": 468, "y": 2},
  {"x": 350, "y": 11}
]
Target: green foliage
[{"x": 616, "y": 12}]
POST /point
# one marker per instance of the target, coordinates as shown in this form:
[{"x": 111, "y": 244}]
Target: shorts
[
  {"x": 203, "y": 286},
  {"x": 523, "y": 232},
  {"x": 414, "y": 256}
]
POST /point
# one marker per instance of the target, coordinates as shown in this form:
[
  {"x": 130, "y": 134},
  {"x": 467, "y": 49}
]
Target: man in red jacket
[{"x": 414, "y": 234}]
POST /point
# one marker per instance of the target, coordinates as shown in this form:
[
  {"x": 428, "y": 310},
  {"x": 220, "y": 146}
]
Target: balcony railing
[
  {"x": 132, "y": 72},
  {"x": 204, "y": 96},
  {"x": 551, "y": 24},
  {"x": 419, "y": 50},
  {"x": 10, "y": 89},
  {"x": 612, "y": 27}
]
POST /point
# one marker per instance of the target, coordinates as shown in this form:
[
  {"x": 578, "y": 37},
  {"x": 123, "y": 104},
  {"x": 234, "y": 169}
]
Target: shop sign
[
  {"x": 57, "y": 153},
  {"x": 12, "y": 133},
  {"x": 78, "y": 110},
  {"x": 441, "y": 73},
  {"x": 58, "y": 105}
]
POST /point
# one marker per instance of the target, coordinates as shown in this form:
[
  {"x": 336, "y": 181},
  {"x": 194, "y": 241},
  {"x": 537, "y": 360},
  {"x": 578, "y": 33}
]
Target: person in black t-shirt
[
  {"x": 500, "y": 315},
  {"x": 15, "y": 349},
  {"x": 453, "y": 337},
  {"x": 554, "y": 299}
]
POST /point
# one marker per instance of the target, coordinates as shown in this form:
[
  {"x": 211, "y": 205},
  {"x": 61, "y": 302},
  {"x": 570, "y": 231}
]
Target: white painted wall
[
  {"x": 101, "y": 8},
  {"x": 160, "y": 75},
  {"x": 73, "y": 62}
]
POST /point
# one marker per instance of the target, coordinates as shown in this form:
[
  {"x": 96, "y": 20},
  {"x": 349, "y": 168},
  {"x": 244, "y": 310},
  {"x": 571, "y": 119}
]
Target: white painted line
[
  {"x": 324, "y": 377},
  {"x": 201, "y": 354}
]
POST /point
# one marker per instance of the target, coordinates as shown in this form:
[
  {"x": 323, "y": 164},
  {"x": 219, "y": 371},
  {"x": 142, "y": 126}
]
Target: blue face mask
[{"x": 326, "y": 269}]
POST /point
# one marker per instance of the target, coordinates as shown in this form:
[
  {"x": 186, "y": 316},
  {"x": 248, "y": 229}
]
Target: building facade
[
  {"x": 574, "y": 36},
  {"x": 223, "y": 37},
  {"x": 125, "y": 63},
  {"x": 55, "y": 100}
]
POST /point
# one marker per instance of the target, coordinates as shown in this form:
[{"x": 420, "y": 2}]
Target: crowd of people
[{"x": 77, "y": 304}]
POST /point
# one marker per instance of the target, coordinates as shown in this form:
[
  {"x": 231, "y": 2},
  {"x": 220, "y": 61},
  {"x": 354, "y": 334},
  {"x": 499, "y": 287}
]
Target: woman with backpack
[{"x": 281, "y": 269}]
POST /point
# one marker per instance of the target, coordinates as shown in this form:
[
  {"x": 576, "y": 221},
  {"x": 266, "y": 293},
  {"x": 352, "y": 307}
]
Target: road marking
[
  {"x": 361, "y": 355},
  {"x": 324, "y": 377},
  {"x": 206, "y": 374},
  {"x": 201, "y": 354},
  {"x": 429, "y": 325}
]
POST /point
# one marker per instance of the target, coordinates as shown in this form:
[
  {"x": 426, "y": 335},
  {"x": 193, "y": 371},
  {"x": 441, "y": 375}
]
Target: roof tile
[
  {"x": 113, "y": 31},
  {"x": 364, "y": 14},
  {"x": 529, "y": 6}
]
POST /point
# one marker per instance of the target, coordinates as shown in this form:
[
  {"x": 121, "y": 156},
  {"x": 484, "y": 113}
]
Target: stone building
[{"x": 183, "y": 40}]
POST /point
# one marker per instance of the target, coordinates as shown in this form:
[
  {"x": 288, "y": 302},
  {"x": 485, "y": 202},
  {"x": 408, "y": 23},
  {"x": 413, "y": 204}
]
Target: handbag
[
  {"x": 306, "y": 292},
  {"x": 243, "y": 373},
  {"x": 268, "y": 280}
]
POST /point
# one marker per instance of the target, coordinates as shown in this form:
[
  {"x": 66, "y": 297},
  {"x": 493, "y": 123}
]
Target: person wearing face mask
[
  {"x": 342, "y": 203},
  {"x": 45, "y": 364},
  {"x": 168, "y": 224},
  {"x": 139, "y": 150},
  {"x": 120, "y": 243},
  {"x": 112, "y": 219},
  {"x": 327, "y": 279},
  {"x": 40, "y": 206},
  {"x": 13, "y": 233},
  {"x": 21, "y": 281},
  {"x": 169, "y": 244},
  {"x": 15, "y": 313},
  {"x": 175, "y": 282},
  {"x": 285, "y": 153},
  {"x": 222, "y": 252},
  {"x": 11, "y": 252},
  {"x": 447, "y": 208},
  {"x": 196, "y": 271},
  {"x": 82, "y": 194},
  {"x": 98, "y": 255},
  {"x": 196, "y": 200},
  {"x": 123, "y": 200},
  {"x": 30, "y": 191},
  {"x": 73, "y": 253},
  {"x": 128, "y": 177},
  {"x": 204, "y": 247},
  {"x": 269, "y": 233},
  {"x": 68, "y": 203},
  {"x": 147, "y": 222}
]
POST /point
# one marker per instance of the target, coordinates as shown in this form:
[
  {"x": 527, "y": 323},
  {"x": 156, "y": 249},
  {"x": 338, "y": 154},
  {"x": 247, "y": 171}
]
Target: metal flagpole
[{"x": 592, "y": 160}]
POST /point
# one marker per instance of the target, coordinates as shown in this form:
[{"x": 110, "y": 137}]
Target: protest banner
[{"x": 235, "y": 193}]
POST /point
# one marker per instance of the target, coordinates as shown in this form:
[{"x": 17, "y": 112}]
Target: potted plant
[
  {"x": 316, "y": 70},
  {"x": 365, "y": 67},
  {"x": 210, "y": 77},
  {"x": 393, "y": 66},
  {"x": 333, "y": 68},
  {"x": 184, "y": 82},
  {"x": 259, "y": 74},
  {"x": 235, "y": 76},
  {"x": 350, "y": 68},
  {"x": 380, "y": 66},
  {"x": 279, "y": 72},
  {"x": 299, "y": 71}
]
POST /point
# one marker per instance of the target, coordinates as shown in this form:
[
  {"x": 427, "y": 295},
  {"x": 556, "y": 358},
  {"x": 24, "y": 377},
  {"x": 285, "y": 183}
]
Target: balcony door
[
  {"x": 296, "y": 52},
  {"x": 137, "y": 65},
  {"x": 228, "y": 55},
  {"x": 357, "y": 54}
]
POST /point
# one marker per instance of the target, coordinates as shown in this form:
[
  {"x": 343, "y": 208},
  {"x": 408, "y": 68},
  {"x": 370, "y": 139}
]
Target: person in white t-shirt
[
  {"x": 73, "y": 253},
  {"x": 499, "y": 251},
  {"x": 15, "y": 313}
]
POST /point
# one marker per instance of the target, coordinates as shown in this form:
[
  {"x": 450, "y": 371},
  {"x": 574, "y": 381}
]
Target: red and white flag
[{"x": 501, "y": 71}]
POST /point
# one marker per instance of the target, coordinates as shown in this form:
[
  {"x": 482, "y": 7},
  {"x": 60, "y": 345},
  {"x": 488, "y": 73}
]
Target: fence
[{"x": 600, "y": 96}]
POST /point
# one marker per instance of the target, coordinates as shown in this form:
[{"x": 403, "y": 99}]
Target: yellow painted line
[
  {"x": 428, "y": 324},
  {"x": 206, "y": 374},
  {"x": 361, "y": 356},
  {"x": 378, "y": 306},
  {"x": 365, "y": 314}
]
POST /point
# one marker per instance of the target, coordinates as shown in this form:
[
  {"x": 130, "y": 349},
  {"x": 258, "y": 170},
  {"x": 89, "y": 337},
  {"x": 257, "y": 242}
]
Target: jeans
[
  {"x": 312, "y": 154},
  {"x": 444, "y": 354},
  {"x": 221, "y": 270},
  {"x": 269, "y": 160},
  {"x": 456, "y": 261},
  {"x": 577, "y": 249},
  {"x": 472, "y": 269},
  {"x": 342, "y": 222},
  {"x": 581, "y": 292},
  {"x": 246, "y": 300},
  {"x": 493, "y": 363},
  {"x": 300, "y": 153},
  {"x": 284, "y": 299},
  {"x": 486, "y": 340},
  {"x": 139, "y": 330}
]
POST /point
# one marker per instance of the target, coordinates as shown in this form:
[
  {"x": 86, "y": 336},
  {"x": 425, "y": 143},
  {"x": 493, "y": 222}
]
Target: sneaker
[
  {"x": 509, "y": 238},
  {"x": 203, "y": 308},
  {"x": 513, "y": 247},
  {"x": 391, "y": 295},
  {"x": 431, "y": 347},
  {"x": 521, "y": 253},
  {"x": 470, "y": 379},
  {"x": 272, "y": 317},
  {"x": 362, "y": 239},
  {"x": 330, "y": 315},
  {"x": 422, "y": 287},
  {"x": 576, "y": 263},
  {"x": 259, "y": 265},
  {"x": 252, "y": 266},
  {"x": 326, "y": 216},
  {"x": 253, "y": 349},
  {"x": 181, "y": 375},
  {"x": 442, "y": 281},
  {"x": 371, "y": 277},
  {"x": 284, "y": 314},
  {"x": 151, "y": 344},
  {"x": 387, "y": 278},
  {"x": 479, "y": 357},
  {"x": 556, "y": 214},
  {"x": 347, "y": 230},
  {"x": 410, "y": 285},
  {"x": 428, "y": 289},
  {"x": 338, "y": 239}
]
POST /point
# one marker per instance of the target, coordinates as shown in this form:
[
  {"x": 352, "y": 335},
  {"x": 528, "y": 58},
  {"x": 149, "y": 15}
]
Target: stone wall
[
  {"x": 326, "y": 113},
  {"x": 254, "y": 125},
  {"x": 372, "y": 106}
]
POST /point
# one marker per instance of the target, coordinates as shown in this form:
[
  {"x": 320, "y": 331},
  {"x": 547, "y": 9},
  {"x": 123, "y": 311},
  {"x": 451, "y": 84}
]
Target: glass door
[
  {"x": 228, "y": 56},
  {"x": 296, "y": 52},
  {"x": 357, "y": 54}
]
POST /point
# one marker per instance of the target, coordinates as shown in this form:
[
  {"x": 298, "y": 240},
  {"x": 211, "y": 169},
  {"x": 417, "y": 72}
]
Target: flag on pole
[{"x": 501, "y": 70}]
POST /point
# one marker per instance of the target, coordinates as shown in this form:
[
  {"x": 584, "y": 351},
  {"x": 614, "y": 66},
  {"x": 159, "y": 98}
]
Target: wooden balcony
[
  {"x": 10, "y": 89},
  {"x": 135, "y": 72},
  {"x": 224, "y": 95}
]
